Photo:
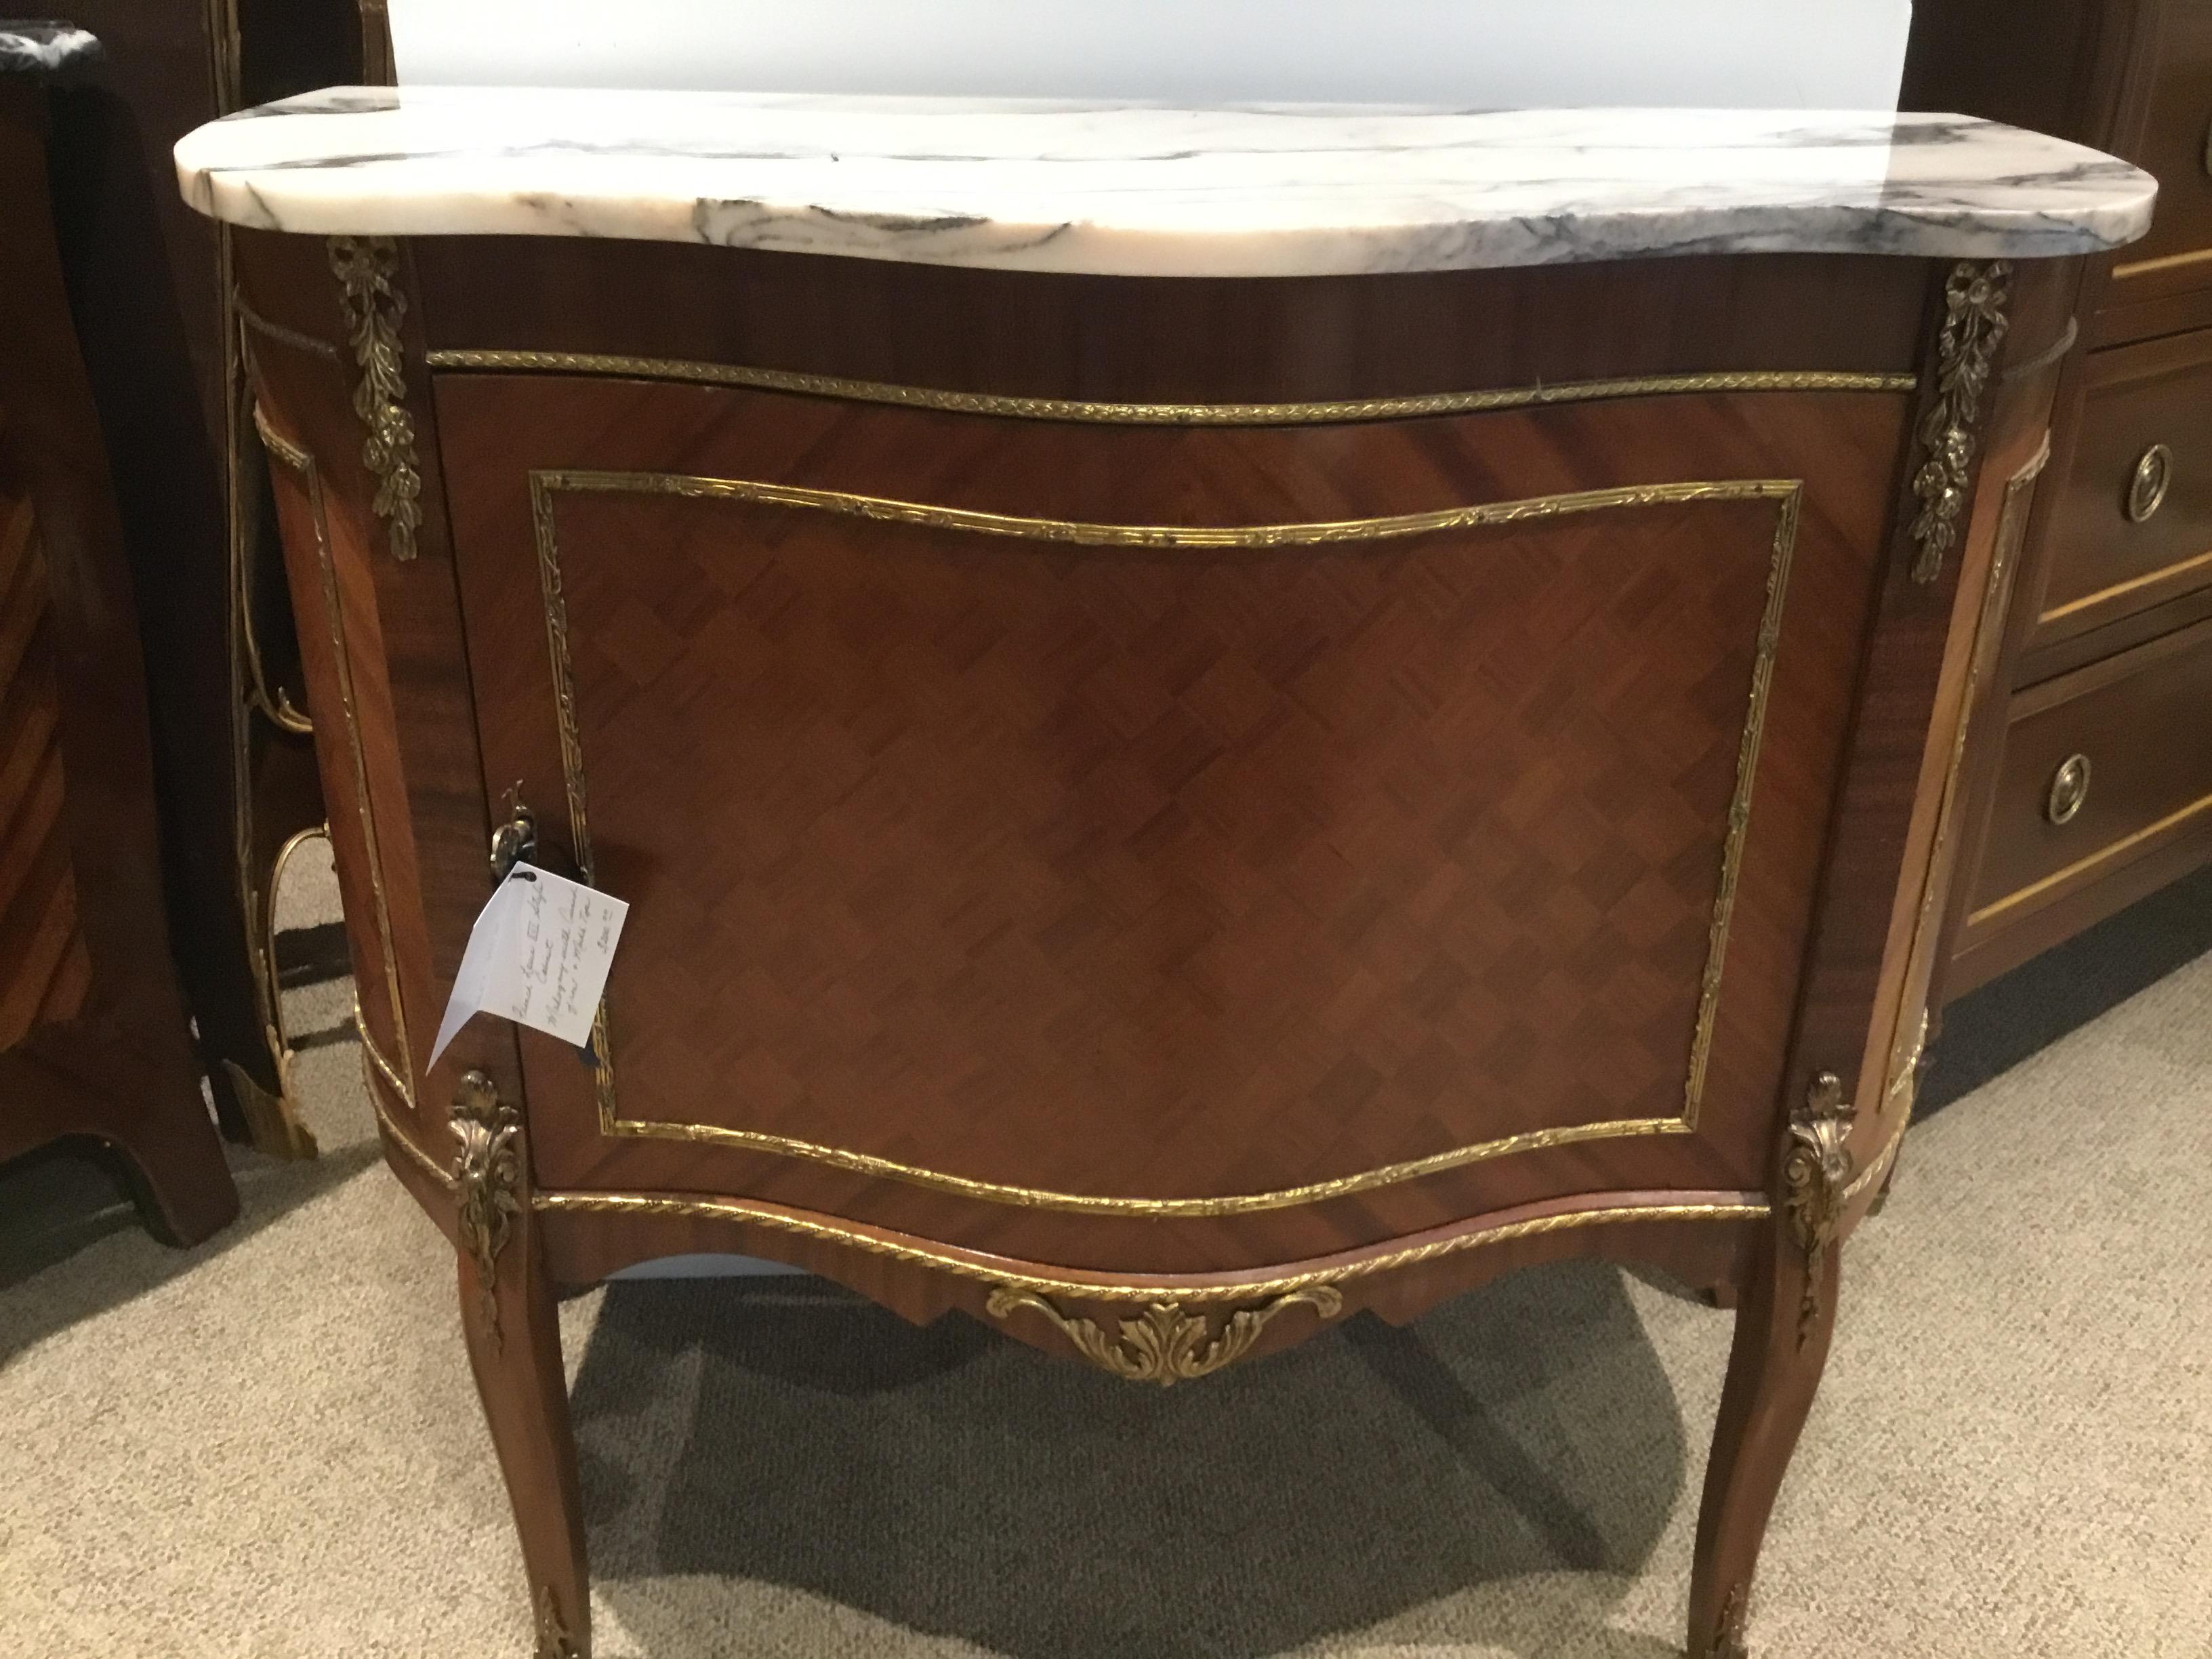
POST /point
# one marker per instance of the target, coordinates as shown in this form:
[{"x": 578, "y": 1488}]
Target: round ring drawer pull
[
  {"x": 2147, "y": 489},
  {"x": 2069, "y": 787}
]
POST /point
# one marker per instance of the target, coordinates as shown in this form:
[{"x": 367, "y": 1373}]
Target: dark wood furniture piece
[
  {"x": 2087, "y": 782},
  {"x": 149, "y": 286},
  {"x": 93, "y": 1036},
  {"x": 1158, "y": 813}
]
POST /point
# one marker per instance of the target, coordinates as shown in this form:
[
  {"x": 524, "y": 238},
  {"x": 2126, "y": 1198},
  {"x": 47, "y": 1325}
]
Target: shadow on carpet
[
  {"x": 953, "y": 1483},
  {"x": 65, "y": 1197}
]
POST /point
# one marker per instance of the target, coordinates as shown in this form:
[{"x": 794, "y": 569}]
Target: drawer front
[
  {"x": 1169, "y": 848},
  {"x": 2100, "y": 767},
  {"x": 2177, "y": 256},
  {"x": 2134, "y": 523}
]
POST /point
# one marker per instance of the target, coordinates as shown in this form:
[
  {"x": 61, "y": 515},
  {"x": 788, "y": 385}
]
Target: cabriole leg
[
  {"x": 1771, "y": 1378},
  {"x": 513, "y": 1331},
  {"x": 1781, "y": 1334}
]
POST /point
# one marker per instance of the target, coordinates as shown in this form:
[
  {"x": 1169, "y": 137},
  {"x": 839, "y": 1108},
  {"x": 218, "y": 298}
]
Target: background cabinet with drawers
[{"x": 2087, "y": 778}]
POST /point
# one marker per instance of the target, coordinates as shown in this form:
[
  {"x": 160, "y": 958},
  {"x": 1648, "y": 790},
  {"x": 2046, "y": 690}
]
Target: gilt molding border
[
  {"x": 298, "y": 460},
  {"x": 1787, "y": 495},
  {"x": 279, "y": 332},
  {"x": 1094, "y": 411},
  {"x": 1209, "y": 1289},
  {"x": 1003, "y": 1273}
]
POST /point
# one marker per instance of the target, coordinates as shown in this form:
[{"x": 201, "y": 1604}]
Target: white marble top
[
  {"x": 1285, "y": 190},
  {"x": 44, "y": 46}
]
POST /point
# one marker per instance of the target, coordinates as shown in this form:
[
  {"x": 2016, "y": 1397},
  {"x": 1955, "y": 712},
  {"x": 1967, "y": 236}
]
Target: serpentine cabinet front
[
  {"x": 1074, "y": 835},
  {"x": 1160, "y": 875}
]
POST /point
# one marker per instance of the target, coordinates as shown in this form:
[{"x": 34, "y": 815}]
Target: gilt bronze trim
[
  {"x": 1786, "y": 494},
  {"x": 279, "y": 1117},
  {"x": 1906, "y": 1054},
  {"x": 1178, "y": 538},
  {"x": 394, "y": 1079},
  {"x": 487, "y": 1183},
  {"x": 272, "y": 1122},
  {"x": 1816, "y": 1173},
  {"x": 1164, "y": 1344},
  {"x": 278, "y": 708},
  {"x": 1882, "y": 1159},
  {"x": 1098, "y": 412},
  {"x": 1974, "y": 326},
  {"x": 994, "y": 1271},
  {"x": 1989, "y": 630},
  {"x": 376, "y": 1069},
  {"x": 367, "y": 270},
  {"x": 302, "y": 462}
]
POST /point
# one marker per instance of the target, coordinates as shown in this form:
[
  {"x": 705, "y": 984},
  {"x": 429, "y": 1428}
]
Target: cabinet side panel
[{"x": 45, "y": 969}]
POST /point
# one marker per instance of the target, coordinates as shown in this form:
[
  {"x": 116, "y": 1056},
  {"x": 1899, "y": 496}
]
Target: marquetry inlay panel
[
  {"x": 45, "y": 969},
  {"x": 1406, "y": 840}
]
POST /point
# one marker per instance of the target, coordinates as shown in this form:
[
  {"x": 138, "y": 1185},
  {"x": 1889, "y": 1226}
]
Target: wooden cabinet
[
  {"x": 1206, "y": 807},
  {"x": 1172, "y": 842},
  {"x": 94, "y": 1042},
  {"x": 149, "y": 287},
  {"x": 2104, "y": 654}
]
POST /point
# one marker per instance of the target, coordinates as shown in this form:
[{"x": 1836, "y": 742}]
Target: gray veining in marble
[
  {"x": 1140, "y": 189},
  {"x": 44, "y": 46}
]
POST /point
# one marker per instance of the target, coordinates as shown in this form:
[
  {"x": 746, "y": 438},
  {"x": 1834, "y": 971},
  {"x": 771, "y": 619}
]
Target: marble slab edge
[{"x": 1130, "y": 191}]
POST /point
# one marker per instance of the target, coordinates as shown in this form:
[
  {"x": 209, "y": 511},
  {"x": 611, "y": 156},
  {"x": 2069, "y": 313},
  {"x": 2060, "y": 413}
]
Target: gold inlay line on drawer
[
  {"x": 1786, "y": 494},
  {"x": 2170, "y": 262},
  {"x": 1013, "y": 406},
  {"x": 2161, "y": 575},
  {"x": 2103, "y": 854}
]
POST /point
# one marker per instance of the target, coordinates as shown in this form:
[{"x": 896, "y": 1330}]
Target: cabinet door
[{"x": 1169, "y": 846}]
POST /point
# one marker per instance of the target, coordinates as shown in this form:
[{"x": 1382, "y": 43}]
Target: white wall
[{"x": 1469, "y": 53}]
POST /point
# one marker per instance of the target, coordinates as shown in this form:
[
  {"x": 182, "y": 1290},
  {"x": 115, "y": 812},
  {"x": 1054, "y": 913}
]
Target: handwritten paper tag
[{"x": 538, "y": 955}]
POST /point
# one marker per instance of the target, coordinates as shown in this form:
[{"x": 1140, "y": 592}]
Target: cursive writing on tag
[{"x": 538, "y": 955}]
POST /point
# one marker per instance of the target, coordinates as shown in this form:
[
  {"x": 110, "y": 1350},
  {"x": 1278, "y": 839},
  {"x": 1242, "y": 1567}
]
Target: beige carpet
[{"x": 269, "y": 1446}]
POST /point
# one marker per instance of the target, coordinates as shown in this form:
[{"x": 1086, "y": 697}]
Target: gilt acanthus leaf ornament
[
  {"x": 487, "y": 1183},
  {"x": 367, "y": 270},
  {"x": 1974, "y": 325},
  {"x": 1165, "y": 1344},
  {"x": 1814, "y": 1174}
]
